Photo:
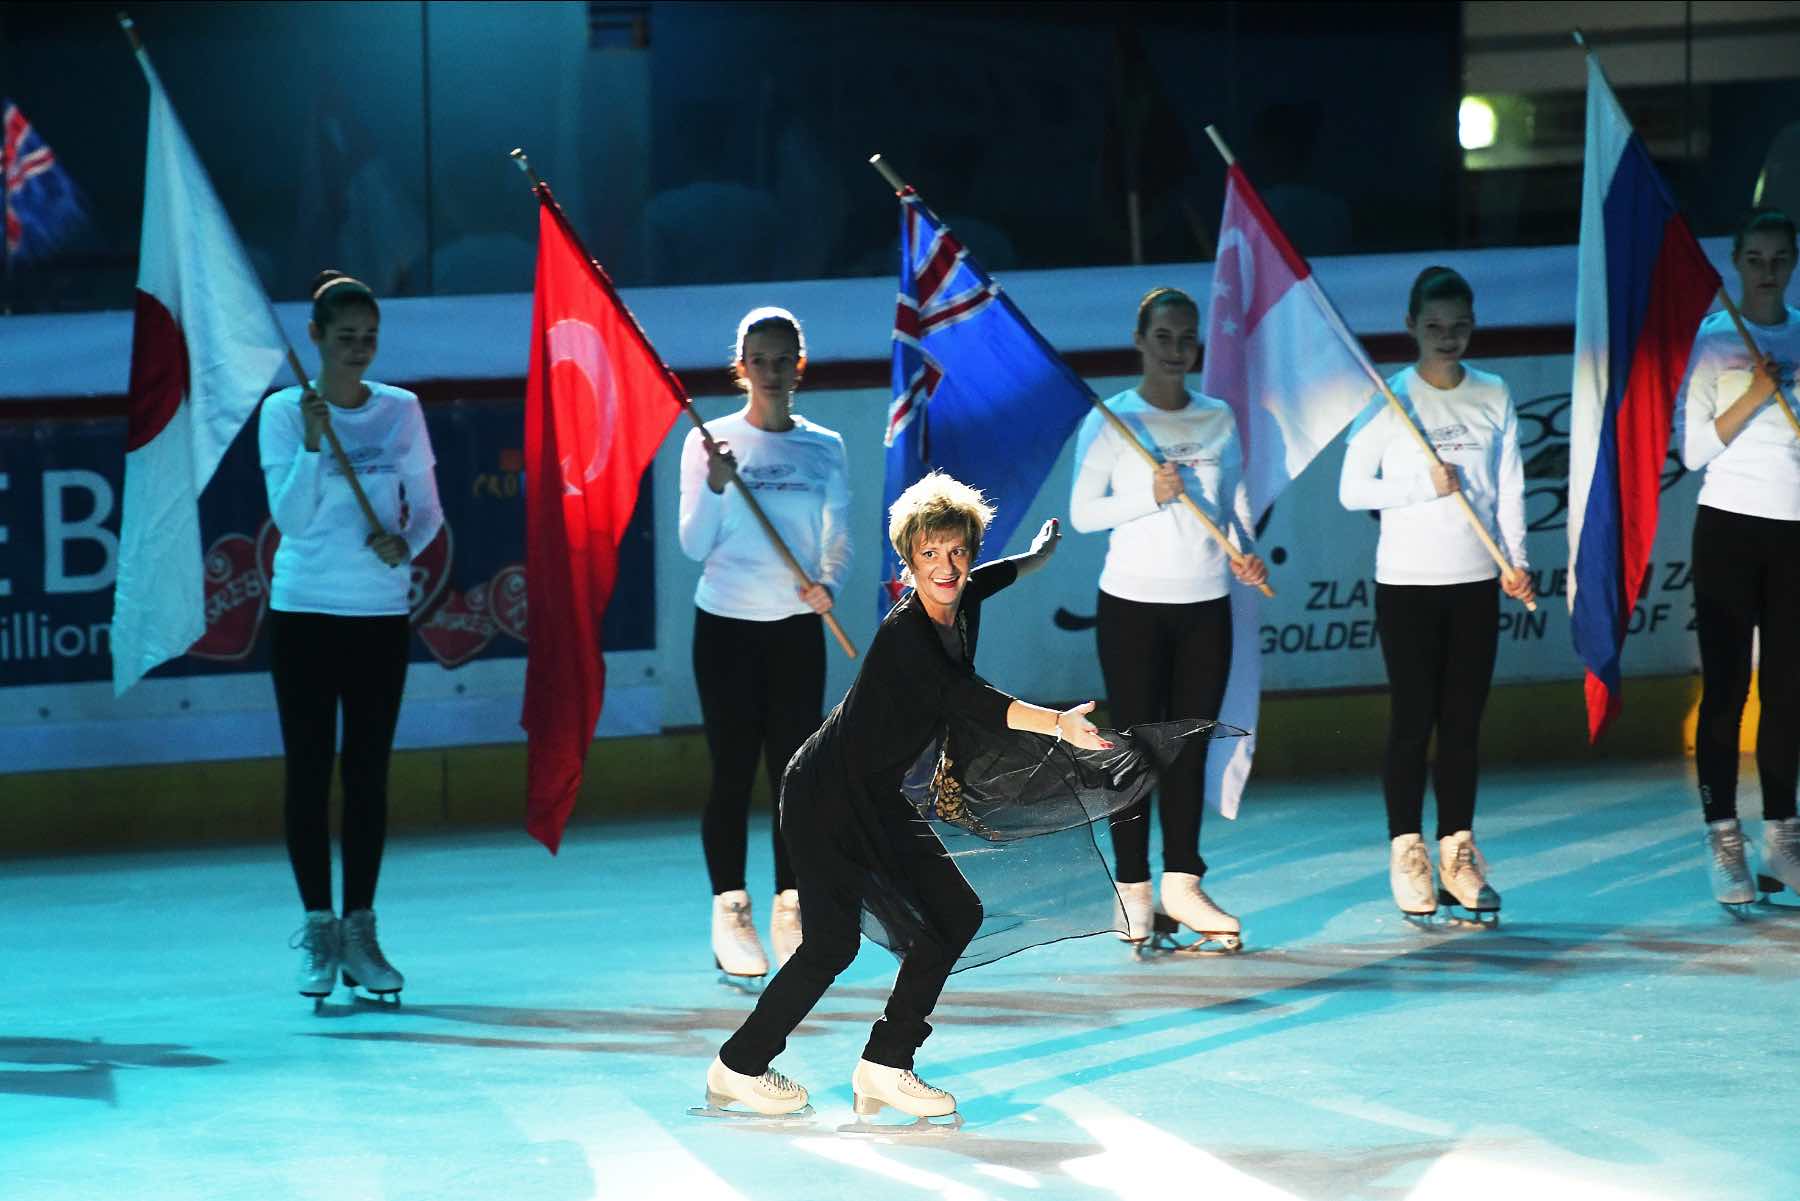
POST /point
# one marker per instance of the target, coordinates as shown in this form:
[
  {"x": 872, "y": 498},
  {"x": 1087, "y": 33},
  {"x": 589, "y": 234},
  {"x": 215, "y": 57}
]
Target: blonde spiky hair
[{"x": 938, "y": 504}]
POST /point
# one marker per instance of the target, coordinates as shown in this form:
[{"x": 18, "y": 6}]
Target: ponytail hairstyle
[
  {"x": 1763, "y": 221},
  {"x": 766, "y": 319},
  {"x": 1437, "y": 283},
  {"x": 333, "y": 292},
  {"x": 1163, "y": 298}
]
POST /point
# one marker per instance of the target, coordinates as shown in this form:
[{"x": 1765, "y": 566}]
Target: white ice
[{"x": 1619, "y": 1036}]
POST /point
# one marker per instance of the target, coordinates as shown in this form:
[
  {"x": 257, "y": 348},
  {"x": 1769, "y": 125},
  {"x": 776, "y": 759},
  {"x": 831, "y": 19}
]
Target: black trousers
[
  {"x": 762, "y": 687},
  {"x": 322, "y": 663},
  {"x": 831, "y": 916},
  {"x": 1162, "y": 662},
  {"x": 1439, "y": 642},
  {"x": 1746, "y": 581}
]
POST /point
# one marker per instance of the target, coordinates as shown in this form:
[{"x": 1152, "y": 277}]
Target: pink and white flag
[
  {"x": 1279, "y": 354},
  {"x": 204, "y": 345}
]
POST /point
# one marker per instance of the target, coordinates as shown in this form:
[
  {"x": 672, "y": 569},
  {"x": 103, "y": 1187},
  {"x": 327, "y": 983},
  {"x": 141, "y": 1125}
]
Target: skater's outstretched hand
[
  {"x": 1042, "y": 547},
  {"x": 1074, "y": 727}
]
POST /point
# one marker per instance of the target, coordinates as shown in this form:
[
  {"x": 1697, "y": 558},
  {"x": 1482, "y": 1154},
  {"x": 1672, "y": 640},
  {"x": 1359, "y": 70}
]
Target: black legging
[
  {"x": 1747, "y": 579},
  {"x": 762, "y": 685},
  {"x": 1439, "y": 642},
  {"x": 320, "y": 661},
  {"x": 1163, "y": 662},
  {"x": 832, "y": 918}
]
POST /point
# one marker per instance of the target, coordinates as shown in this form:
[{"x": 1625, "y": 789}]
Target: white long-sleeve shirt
[
  {"x": 324, "y": 564},
  {"x": 1758, "y": 473},
  {"x": 1425, "y": 538},
  {"x": 1161, "y": 553},
  {"x": 801, "y": 478}
]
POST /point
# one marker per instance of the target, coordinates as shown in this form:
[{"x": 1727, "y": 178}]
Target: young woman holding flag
[
  {"x": 1436, "y": 586},
  {"x": 759, "y": 653},
  {"x": 1164, "y": 628},
  {"x": 1747, "y": 556},
  {"x": 338, "y": 620}
]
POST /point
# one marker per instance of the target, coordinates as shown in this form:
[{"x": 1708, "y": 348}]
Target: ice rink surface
[{"x": 1618, "y": 1036}]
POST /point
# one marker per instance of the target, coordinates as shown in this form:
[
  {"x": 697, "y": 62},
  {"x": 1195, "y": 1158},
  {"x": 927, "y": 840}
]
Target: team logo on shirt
[
  {"x": 1191, "y": 454},
  {"x": 773, "y": 477},
  {"x": 1454, "y": 437}
]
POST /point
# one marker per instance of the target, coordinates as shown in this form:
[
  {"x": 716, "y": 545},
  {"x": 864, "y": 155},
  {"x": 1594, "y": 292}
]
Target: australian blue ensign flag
[
  {"x": 42, "y": 204},
  {"x": 978, "y": 393}
]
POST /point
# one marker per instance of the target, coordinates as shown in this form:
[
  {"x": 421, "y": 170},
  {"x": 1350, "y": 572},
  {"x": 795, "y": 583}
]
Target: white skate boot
[
  {"x": 770, "y": 1095},
  {"x": 1728, "y": 864},
  {"x": 1409, "y": 875},
  {"x": 1781, "y": 855},
  {"x": 1462, "y": 880},
  {"x": 364, "y": 964},
  {"x": 1185, "y": 903},
  {"x": 1135, "y": 912},
  {"x": 873, "y": 1085},
  {"x": 784, "y": 925},
  {"x": 737, "y": 952},
  {"x": 317, "y": 942}
]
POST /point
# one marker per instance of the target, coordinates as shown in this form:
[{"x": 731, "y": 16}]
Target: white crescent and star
[{"x": 579, "y": 343}]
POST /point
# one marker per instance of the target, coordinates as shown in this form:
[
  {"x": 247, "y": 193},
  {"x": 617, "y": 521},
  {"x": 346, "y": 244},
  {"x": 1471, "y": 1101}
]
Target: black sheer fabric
[
  {"x": 1026, "y": 846},
  {"x": 1017, "y": 812}
]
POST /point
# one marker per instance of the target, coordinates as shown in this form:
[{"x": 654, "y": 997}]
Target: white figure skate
[
  {"x": 737, "y": 952},
  {"x": 1409, "y": 876},
  {"x": 317, "y": 942},
  {"x": 770, "y": 1096},
  {"x": 1185, "y": 903},
  {"x": 1462, "y": 882},
  {"x": 1728, "y": 866},
  {"x": 872, "y": 1085},
  {"x": 1781, "y": 855},
  {"x": 1135, "y": 912},
  {"x": 784, "y": 926},
  {"x": 363, "y": 962}
]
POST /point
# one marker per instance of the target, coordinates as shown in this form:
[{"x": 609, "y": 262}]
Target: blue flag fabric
[
  {"x": 978, "y": 393},
  {"x": 42, "y": 204}
]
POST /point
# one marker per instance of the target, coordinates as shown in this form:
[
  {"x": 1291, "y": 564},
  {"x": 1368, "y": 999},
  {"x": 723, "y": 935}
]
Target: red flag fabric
[{"x": 598, "y": 403}]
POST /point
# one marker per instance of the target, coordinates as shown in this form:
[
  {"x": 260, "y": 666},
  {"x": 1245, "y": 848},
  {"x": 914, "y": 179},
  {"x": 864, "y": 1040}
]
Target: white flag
[{"x": 203, "y": 348}]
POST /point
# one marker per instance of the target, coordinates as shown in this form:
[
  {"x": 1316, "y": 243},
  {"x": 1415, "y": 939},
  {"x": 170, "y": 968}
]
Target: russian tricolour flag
[{"x": 1644, "y": 284}]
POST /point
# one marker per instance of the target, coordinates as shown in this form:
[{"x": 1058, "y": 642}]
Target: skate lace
[
  {"x": 741, "y": 924},
  {"x": 1783, "y": 838},
  {"x": 1728, "y": 853},
  {"x": 361, "y": 934},
  {"x": 775, "y": 1082},
  {"x": 315, "y": 941},
  {"x": 1466, "y": 864},
  {"x": 910, "y": 1082},
  {"x": 1417, "y": 865}
]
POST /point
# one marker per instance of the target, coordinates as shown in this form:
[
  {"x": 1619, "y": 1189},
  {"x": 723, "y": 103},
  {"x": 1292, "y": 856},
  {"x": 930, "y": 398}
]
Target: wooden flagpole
[
  {"x": 1468, "y": 510},
  {"x": 542, "y": 191},
  {"x": 1211, "y": 527},
  {"x": 293, "y": 360},
  {"x": 1737, "y": 318}
]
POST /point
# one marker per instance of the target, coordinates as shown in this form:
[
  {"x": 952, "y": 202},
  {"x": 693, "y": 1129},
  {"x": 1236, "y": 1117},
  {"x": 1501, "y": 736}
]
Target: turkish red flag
[{"x": 598, "y": 403}]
